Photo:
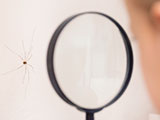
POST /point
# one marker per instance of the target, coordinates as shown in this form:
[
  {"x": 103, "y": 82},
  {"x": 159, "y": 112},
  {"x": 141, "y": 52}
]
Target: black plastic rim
[{"x": 50, "y": 58}]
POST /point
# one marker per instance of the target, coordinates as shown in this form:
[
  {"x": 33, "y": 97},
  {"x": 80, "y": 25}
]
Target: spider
[{"x": 24, "y": 61}]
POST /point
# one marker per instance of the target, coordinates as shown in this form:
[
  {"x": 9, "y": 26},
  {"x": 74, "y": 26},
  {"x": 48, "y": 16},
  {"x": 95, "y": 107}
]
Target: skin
[{"x": 145, "y": 25}]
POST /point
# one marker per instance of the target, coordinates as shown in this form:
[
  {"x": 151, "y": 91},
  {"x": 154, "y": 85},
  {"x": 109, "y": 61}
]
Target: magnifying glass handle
[{"x": 89, "y": 116}]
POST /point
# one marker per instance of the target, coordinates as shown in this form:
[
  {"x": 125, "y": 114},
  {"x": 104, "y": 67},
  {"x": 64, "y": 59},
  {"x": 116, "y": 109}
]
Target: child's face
[
  {"x": 145, "y": 25},
  {"x": 140, "y": 21}
]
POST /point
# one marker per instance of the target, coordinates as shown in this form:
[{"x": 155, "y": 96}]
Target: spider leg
[
  {"x": 19, "y": 56},
  {"x": 31, "y": 47},
  {"x": 28, "y": 81},
  {"x": 24, "y": 51},
  {"x": 25, "y": 71},
  {"x": 29, "y": 57},
  {"x": 31, "y": 66},
  {"x": 13, "y": 70},
  {"x": 30, "y": 50}
]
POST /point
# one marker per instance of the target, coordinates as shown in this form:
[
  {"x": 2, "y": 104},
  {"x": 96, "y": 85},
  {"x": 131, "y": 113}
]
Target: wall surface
[{"x": 29, "y": 95}]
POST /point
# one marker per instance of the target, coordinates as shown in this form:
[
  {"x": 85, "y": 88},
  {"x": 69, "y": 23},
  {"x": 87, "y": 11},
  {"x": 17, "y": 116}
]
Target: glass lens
[{"x": 90, "y": 61}]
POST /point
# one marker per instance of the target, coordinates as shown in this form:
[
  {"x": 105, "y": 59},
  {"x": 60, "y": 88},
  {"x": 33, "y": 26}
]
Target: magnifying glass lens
[{"x": 90, "y": 61}]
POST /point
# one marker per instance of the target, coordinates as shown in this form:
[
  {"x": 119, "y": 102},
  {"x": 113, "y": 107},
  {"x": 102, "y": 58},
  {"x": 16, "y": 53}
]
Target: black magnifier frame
[{"x": 51, "y": 71}]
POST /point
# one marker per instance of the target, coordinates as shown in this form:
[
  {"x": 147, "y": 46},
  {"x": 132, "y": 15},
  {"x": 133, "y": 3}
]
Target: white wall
[{"x": 18, "y": 19}]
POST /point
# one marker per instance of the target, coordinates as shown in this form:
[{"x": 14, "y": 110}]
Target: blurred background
[{"x": 29, "y": 95}]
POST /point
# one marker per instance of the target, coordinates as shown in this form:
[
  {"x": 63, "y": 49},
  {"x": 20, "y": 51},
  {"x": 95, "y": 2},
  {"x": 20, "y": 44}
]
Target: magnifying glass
[{"x": 90, "y": 61}]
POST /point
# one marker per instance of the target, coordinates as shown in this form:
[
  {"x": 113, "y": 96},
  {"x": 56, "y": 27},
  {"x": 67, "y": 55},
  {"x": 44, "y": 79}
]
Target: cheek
[
  {"x": 141, "y": 28},
  {"x": 136, "y": 25},
  {"x": 135, "y": 30}
]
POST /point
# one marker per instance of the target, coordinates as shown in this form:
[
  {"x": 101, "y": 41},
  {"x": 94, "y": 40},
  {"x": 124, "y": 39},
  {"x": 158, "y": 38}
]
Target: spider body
[{"x": 24, "y": 62}]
